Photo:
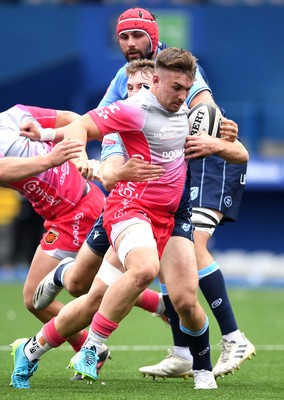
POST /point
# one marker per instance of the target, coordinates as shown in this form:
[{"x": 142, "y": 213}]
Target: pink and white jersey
[
  {"x": 52, "y": 192},
  {"x": 149, "y": 132}
]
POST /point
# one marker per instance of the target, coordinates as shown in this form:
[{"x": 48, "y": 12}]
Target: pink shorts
[
  {"x": 162, "y": 223},
  {"x": 68, "y": 231}
]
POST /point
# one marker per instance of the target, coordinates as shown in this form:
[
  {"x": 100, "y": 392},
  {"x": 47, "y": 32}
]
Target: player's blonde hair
[{"x": 146, "y": 67}]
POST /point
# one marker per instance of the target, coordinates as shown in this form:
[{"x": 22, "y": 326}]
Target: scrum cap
[{"x": 139, "y": 19}]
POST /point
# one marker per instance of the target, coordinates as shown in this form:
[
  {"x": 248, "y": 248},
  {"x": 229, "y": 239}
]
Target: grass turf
[{"x": 142, "y": 340}]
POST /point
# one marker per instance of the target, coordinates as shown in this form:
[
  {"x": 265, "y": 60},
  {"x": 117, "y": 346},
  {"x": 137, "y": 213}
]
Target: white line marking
[{"x": 65, "y": 347}]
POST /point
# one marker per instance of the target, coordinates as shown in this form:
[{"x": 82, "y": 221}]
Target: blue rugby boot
[
  {"x": 85, "y": 363},
  {"x": 23, "y": 368}
]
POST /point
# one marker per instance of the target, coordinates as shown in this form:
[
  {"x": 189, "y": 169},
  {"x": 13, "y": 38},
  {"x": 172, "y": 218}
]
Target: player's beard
[{"x": 148, "y": 54}]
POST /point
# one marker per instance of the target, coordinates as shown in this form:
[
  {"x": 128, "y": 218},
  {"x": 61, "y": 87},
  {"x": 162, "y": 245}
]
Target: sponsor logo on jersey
[
  {"x": 173, "y": 154},
  {"x": 176, "y": 117},
  {"x": 32, "y": 188},
  {"x": 138, "y": 156},
  {"x": 165, "y": 134},
  {"x": 51, "y": 236},
  {"x": 108, "y": 141},
  {"x": 64, "y": 172}
]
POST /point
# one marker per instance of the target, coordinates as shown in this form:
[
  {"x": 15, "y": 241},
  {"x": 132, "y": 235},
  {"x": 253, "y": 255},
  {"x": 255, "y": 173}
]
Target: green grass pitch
[{"x": 142, "y": 340}]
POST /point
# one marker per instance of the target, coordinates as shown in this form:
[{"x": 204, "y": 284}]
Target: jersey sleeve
[
  {"x": 19, "y": 146},
  {"x": 111, "y": 146},
  {"x": 122, "y": 116},
  {"x": 45, "y": 116},
  {"x": 117, "y": 89},
  {"x": 200, "y": 84}
]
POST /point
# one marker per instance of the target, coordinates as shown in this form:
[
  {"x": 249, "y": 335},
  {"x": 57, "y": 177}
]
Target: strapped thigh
[
  {"x": 141, "y": 236},
  {"x": 204, "y": 219}
]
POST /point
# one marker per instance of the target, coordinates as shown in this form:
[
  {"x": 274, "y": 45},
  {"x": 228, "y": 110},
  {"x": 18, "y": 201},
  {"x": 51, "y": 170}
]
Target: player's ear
[{"x": 156, "y": 79}]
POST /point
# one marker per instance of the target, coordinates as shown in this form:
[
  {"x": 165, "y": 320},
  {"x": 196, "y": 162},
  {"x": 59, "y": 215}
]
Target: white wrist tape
[{"x": 47, "y": 134}]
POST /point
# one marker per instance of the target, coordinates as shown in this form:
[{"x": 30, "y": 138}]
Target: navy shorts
[
  {"x": 218, "y": 185},
  {"x": 183, "y": 225},
  {"x": 97, "y": 239}
]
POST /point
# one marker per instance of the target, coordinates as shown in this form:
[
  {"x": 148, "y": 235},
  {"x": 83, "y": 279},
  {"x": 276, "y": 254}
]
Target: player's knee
[
  {"x": 29, "y": 304},
  {"x": 145, "y": 276},
  {"x": 144, "y": 280},
  {"x": 77, "y": 287},
  {"x": 185, "y": 303},
  {"x": 28, "y": 299}
]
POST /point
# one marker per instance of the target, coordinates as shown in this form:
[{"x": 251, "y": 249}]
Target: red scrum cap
[{"x": 139, "y": 19}]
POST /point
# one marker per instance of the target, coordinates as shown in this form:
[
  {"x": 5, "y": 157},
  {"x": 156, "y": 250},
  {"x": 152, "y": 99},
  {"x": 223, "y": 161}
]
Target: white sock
[
  {"x": 161, "y": 306},
  {"x": 36, "y": 347},
  {"x": 94, "y": 340},
  {"x": 66, "y": 267},
  {"x": 235, "y": 336},
  {"x": 182, "y": 352}
]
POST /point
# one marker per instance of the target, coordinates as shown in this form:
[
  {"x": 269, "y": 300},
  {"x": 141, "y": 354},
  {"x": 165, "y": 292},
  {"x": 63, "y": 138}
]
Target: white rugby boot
[
  {"x": 172, "y": 366},
  {"x": 204, "y": 379},
  {"x": 232, "y": 356}
]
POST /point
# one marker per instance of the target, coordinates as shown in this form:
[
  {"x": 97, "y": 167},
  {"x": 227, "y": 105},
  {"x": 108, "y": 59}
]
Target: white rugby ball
[{"x": 205, "y": 117}]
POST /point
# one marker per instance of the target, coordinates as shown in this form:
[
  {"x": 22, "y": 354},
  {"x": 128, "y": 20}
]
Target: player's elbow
[
  {"x": 243, "y": 157},
  {"x": 238, "y": 158}
]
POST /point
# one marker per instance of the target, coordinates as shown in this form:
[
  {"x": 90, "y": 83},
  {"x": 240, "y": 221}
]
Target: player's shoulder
[
  {"x": 120, "y": 79},
  {"x": 162, "y": 46},
  {"x": 143, "y": 98},
  {"x": 199, "y": 68},
  {"x": 202, "y": 73},
  {"x": 18, "y": 109},
  {"x": 121, "y": 73},
  {"x": 12, "y": 117}
]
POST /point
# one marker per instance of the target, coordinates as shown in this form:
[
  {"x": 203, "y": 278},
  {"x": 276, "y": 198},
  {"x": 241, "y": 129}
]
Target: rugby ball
[{"x": 205, "y": 117}]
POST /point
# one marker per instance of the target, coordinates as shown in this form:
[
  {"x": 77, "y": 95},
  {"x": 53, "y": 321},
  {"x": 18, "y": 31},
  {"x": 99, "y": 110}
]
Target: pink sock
[
  {"x": 150, "y": 300},
  {"x": 102, "y": 325},
  {"x": 80, "y": 341},
  {"x": 51, "y": 335}
]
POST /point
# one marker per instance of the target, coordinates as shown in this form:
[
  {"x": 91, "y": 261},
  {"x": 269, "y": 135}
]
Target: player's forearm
[
  {"x": 14, "y": 169},
  {"x": 232, "y": 152},
  {"x": 109, "y": 171}
]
